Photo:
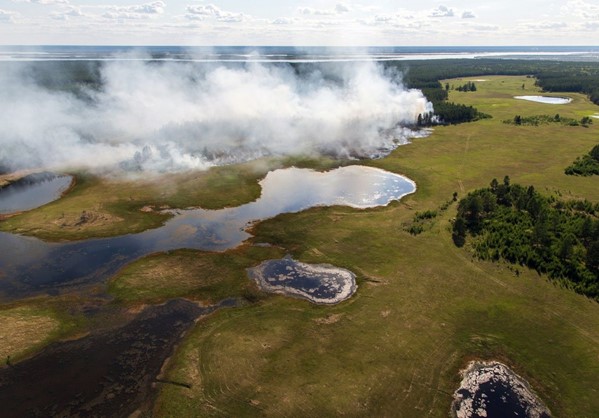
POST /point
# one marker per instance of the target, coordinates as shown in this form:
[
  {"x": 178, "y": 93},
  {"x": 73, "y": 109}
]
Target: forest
[
  {"x": 518, "y": 224},
  {"x": 551, "y": 76}
]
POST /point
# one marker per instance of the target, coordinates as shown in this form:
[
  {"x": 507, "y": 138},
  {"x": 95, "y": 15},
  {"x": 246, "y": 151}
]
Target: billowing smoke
[{"x": 164, "y": 117}]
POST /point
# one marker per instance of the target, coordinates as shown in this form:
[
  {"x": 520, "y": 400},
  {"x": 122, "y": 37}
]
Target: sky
[{"x": 299, "y": 23}]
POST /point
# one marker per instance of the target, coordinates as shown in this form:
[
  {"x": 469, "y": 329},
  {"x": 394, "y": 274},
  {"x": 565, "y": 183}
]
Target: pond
[
  {"x": 492, "y": 390},
  {"x": 545, "y": 99},
  {"x": 33, "y": 191},
  {"x": 318, "y": 283},
  {"x": 29, "y": 265}
]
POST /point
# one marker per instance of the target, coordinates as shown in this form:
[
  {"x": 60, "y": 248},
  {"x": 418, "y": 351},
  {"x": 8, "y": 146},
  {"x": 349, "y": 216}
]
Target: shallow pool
[
  {"x": 492, "y": 390},
  {"x": 545, "y": 99},
  {"x": 318, "y": 283}
]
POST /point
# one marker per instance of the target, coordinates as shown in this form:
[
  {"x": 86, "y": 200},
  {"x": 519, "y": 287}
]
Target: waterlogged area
[
  {"x": 545, "y": 99},
  {"x": 113, "y": 372},
  {"x": 492, "y": 390},
  {"x": 29, "y": 265},
  {"x": 318, "y": 283},
  {"x": 33, "y": 191}
]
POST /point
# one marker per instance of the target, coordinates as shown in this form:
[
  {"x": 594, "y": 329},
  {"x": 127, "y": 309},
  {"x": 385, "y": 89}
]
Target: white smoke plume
[{"x": 173, "y": 116}]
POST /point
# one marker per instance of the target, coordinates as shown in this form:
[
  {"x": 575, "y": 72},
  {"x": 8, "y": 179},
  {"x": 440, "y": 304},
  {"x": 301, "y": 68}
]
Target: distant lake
[
  {"x": 545, "y": 99},
  {"x": 291, "y": 54}
]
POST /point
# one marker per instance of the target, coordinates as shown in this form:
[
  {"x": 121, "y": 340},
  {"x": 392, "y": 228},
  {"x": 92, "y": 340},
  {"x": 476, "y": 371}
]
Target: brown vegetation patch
[
  {"x": 329, "y": 319},
  {"x": 86, "y": 219},
  {"x": 21, "y": 329}
]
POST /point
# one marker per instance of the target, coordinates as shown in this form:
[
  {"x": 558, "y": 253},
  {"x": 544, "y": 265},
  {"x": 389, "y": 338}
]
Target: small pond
[
  {"x": 30, "y": 265},
  {"x": 33, "y": 191},
  {"x": 318, "y": 283},
  {"x": 492, "y": 390},
  {"x": 545, "y": 99}
]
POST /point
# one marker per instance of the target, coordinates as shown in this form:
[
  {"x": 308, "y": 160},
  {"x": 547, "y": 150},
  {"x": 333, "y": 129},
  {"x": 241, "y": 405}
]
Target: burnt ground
[{"x": 107, "y": 374}]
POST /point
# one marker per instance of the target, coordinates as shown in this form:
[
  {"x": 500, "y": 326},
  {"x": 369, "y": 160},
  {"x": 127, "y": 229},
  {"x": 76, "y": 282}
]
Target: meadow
[{"x": 423, "y": 307}]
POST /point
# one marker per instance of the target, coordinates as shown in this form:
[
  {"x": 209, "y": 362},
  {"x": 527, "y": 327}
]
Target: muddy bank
[
  {"x": 108, "y": 374},
  {"x": 318, "y": 283},
  {"x": 492, "y": 390}
]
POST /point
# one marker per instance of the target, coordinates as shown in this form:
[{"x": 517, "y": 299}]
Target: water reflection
[
  {"x": 545, "y": 99},
  {"x": 28, "y": 265},
  {"x": 32, "y": 191},
  {"x": 492, "y": 390},
  {"x": 318, "y": 283}
]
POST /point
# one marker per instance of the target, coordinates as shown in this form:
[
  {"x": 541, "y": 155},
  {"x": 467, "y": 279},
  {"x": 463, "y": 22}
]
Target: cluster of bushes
[
  {"x": 588, "y": 165},
  {"x": 420, "y": 221},
  {"x": 546, "y": 119},
  {"x": 518, "y": 224}
]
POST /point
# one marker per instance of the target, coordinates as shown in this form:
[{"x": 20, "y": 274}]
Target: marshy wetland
[
  {"x": 39, "y": 266},
  {"x": 422, "y": 311}
]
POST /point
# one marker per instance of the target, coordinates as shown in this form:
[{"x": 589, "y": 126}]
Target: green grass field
[{"x": 423, "y": 307}]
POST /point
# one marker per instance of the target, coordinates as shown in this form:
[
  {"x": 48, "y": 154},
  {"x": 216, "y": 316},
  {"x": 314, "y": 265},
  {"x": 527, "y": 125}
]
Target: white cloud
[
  {"x": 199, "y": 12},
  {"x": 342, "y": 8},
  {"x": 442, "y": 11},
  {"x": 339, "y": 9},
  {"x": 468, "y": 15},
  {"x": 67, "y": 13},
  {"x": 137, "y": 11},
  {"x": 7, "y": 16},
  {"x": 283, "y": 21},
  {"x": 591, "y": 26},
  {"x": 315, "y": 12},
  {"x": 582, "y": 9},
  {"x": 44, "y": 2},
  {"x": 204, "y": 10}
]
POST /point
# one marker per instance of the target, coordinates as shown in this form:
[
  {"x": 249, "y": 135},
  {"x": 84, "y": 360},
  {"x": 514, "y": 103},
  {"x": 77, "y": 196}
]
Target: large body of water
[
  {"x": 291, "y": 54},
  {"x": 29, "y": 265}
]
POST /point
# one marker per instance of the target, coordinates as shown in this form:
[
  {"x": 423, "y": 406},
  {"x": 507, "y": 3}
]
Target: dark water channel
[
  {"x": 29, "y": 265},
  {"x": 106, "y": 374},
  {"x": 32, "y": 191}
]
